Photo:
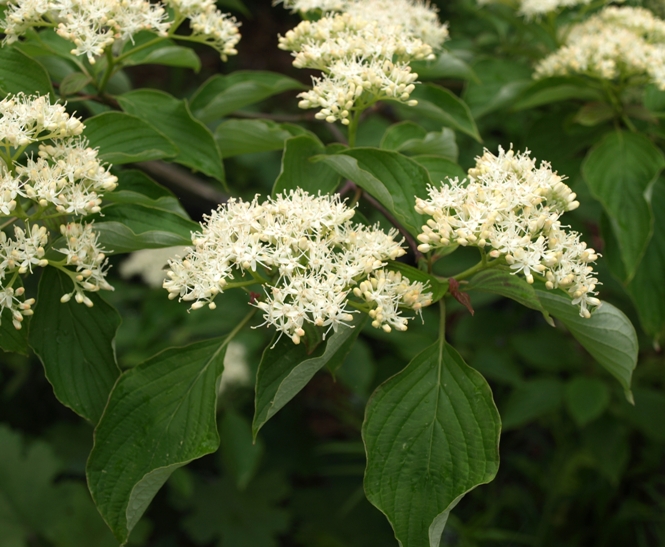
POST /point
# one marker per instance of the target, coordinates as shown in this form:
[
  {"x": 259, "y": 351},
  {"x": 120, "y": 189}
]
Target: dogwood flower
[
  {"x": 512, "y": 207},
  {"x": 618, "y": 43},
  {"x": 364, "y": 52},
  {"x": 311, "y": 254}
]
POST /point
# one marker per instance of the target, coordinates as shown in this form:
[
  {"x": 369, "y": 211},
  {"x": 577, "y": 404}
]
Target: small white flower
[{"x": 511, "y": 207}]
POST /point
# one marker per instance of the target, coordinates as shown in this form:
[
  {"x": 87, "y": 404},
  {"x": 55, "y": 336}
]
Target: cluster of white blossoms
[
  {"x": 532, "y": 9},
  {"x": 64, "y": 179},
  {"x": 617, "y": 43},
  {"x": 314, "y": 259},
  {"x": 512, "y": 207},
  {"x": 363, "y": 49},
  {"x": 94, "y": 25}
]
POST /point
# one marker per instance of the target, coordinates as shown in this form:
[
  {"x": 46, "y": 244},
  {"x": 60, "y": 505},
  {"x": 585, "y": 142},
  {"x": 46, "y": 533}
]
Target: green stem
[
  {"x": 132, "y": 51},
  {"x": 108, "y": 52},
  {"x": 353, "y": 127},
  {"x": 482, "y": 265},
  {"x": 239, "y": 327}
]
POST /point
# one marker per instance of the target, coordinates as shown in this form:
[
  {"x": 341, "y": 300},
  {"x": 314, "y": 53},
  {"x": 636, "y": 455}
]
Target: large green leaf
[
  {"x": 446, "y": 65},
  {"x": 122, "y": 138},
  {"x": 136, "y": 187},
  {"x": 286, "y": 368},
  {"x": 160, "y": 416},
  {"x": 221, "y": 95},
  {"x": 500, "y": 81},
  {"x": 508, "y": 285},
  {"x": 172, "y": 117},
  {"x": 441, "y": 105},
  {"x": 647, "y": 288},
  {"x": 393, "y": 179},
  {"x": 299, "y": 172},
  {"x": 608, "y": 335},
  {"x": 431, "y": 433},
  {"x": 18, "y": 72},
  {"x": 411, "y": 138},
  {"x": 76, "y": 345},
  {"x": 553, "y": 90},
  {"x": 586, "y": 399},
  {"x": 620, "y": 171},
  {"x": 127, "y": 227},
  {"x": 235, "y": 137},
  {"x": 440, "y": 169},
  {"x": 165, "y": 52}
]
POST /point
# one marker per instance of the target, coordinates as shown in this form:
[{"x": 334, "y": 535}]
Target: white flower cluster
[
  {"x": 66, "y": 178},
  {"x": 618, "y": 43},
  {"x": 363, "y": 52},
  {"x": 513, "y": 207},
  {"x": 312, "y": 255},
  {"x": 537, "y": 8},
  {"x": 94, "y": 25}
]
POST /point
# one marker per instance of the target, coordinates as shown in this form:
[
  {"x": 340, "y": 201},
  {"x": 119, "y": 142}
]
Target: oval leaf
[
  {"x": 393, "y": 179},
  {"x": 76, "y": 345},
  {"x": 286, "y": 368},
  {"x": 299, "y": 172},
  {"x": 160, "y": 416},
  {"x": 431, "y": 434},
  {"x": 172, "y": 117},
  {"x": 439, "y": 104},
  {"x": 235, "y": 137},
  {"x": 619, "y": 172},
  {"x": 221, "y": 95},
  {"x": 608, "y": 335},
  {"x": 586, "y": 399},
  {"x": 122, "y": 138},
  {"x": 18, "y": 72}
]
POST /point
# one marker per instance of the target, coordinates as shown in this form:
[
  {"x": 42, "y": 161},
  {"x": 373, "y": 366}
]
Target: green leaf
[
  {"x": 410, "y": 138},
  {"x": 165, "y": 53},
  {"x": 431, "y": 433},
  {"x": 73, "y": 82},
  {"x": 235, "y": 5},
  {"x": 286, "y": 368},
  {"x": 136, "y": 187},
  {"x": 499, "y": 83},
  {"x": 437, "y": 288},
  {"x": 235, "y": 137},
  {"x": 592, "y": 114},
  {"x": 173, "y": 118},
  {"x": 393, "y": 179},
  {"x": 446, "y": 65},
  {"x": 160, "y": 416},
  {"x": 531, "y": 400},
  {"x": 440, "y": 169},
  {"x": 18, "y": 72},
  {"x": 508, "y": 285},
  {"x": 11, "y": 339},
  {"x": 647, "y": 412},
  {"x": 439, "y": 104},
  {"x": 608, "y": 335},
  {"x": 122, "y": 138},
  {"x": 221, "y": 95},
  {"x": 75, "y": 344},
  {"x": 620, "y": 171},
  {"x": 299, "y": 172},
  {"x": 241, "y": 456},
  {"x": 127, "y": 227},
  {"x": 553, "y": 90},
  {"x": 586, "y": 399},
  {"x": 647, "y": 288}
]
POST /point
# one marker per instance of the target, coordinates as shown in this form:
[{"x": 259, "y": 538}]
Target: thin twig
[{"x": 183, "y": 180}]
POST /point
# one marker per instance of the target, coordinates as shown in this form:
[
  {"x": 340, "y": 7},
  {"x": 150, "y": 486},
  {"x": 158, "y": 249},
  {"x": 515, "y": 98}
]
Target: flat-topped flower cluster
[
  {"x": 64, "y": 179},
  {"x": 512, "y": 208},
  {"x": 532, "y": 9},
  {"x": 363, "y": 49},
  {"x": 622, "y": 44},
  {"x": 94, "y": 25},
  {"x": 310, "y": 258}
]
